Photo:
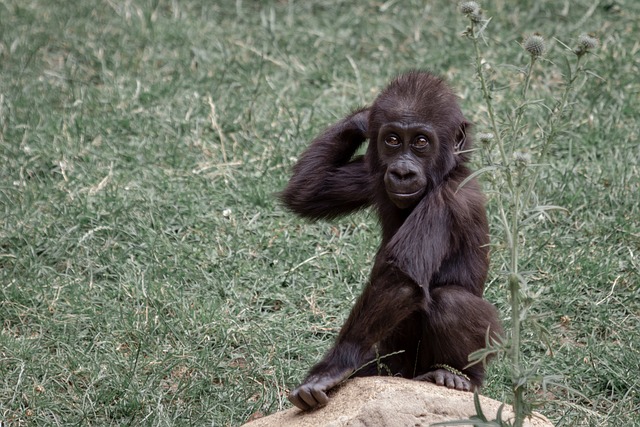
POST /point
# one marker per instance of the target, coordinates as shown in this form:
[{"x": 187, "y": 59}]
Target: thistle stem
[
  {"x": 554, "y": 120},
  {"x": 487, "y": 98}
]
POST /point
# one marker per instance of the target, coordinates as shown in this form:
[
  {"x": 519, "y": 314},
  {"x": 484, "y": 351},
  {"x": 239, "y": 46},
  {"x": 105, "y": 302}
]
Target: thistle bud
[
  {"x": 586, "y": 43},
  {"x": 471, "y": 10},
  {"x": 534, "y": 44},
  {"x": 521, "y": 159},
  {"x": 485, "y": 138},
  {"x": 469, "y": 7}
]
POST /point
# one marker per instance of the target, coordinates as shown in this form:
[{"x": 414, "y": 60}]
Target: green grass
[{"x": 148, "y": 275}]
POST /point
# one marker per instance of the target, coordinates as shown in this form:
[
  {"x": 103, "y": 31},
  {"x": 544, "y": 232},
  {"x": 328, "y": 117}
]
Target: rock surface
[{"x": 390, "y": 402}]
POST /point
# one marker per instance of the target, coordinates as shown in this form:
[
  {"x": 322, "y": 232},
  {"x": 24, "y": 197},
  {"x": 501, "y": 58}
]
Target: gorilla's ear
[{"x": 461, "y": 137}]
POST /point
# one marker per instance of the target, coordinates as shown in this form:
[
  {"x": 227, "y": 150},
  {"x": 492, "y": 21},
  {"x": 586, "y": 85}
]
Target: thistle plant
[{"x": 513, "y": 150}]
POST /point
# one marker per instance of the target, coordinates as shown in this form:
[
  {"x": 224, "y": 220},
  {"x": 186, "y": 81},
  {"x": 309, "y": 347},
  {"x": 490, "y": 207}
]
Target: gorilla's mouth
[
  {"x": 405, "y": 195},
  {"x": 405, "y": 200}
]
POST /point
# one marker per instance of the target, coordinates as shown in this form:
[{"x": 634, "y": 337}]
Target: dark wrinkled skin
[{"x": 423, "y": 304}]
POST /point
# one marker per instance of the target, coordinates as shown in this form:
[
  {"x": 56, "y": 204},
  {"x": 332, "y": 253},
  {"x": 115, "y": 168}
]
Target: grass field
[{"x": 148, "y": 275}]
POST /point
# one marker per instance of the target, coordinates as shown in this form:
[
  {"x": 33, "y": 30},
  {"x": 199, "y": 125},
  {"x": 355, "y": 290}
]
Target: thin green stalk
[
  {"x": 518, "y": 390},
  {"x": 487, "y": 97},
  {"x": 527, "y": 80},
  {"x": 507, "y": 230},
  {"x": 550, "y": 136},
  {"x": 514, "y": 287},
  {"x": 523, "y": 102}
]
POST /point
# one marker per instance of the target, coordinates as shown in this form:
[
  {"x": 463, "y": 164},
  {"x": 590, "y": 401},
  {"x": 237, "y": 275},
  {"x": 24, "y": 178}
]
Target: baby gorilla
[{"x": 422, "y": 311}]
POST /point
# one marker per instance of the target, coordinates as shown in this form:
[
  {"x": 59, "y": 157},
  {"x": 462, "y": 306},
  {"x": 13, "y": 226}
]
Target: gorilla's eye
[
  {"x": 421, "y": 142},
  {"x": 392, "y": 141}
]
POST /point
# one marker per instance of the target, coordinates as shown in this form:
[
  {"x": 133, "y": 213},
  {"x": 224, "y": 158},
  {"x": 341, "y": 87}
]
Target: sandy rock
[{"x": 389, "y": 402}]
